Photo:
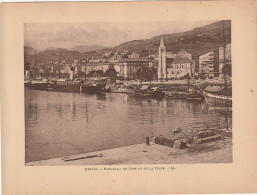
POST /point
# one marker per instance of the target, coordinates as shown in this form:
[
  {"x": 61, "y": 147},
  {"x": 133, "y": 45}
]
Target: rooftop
[
  {"x": 133, "y": 60},
  {"x": 178, "y": 60}
]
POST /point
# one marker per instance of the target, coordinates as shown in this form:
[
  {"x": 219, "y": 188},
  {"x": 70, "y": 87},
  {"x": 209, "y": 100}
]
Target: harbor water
[{"x": 59, "y": 124}]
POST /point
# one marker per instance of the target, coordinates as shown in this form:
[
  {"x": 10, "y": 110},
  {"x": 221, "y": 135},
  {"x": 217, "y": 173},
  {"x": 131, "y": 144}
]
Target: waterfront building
[
  {"x": 41, "y": 70},
  {"x": 66, "y": 69},
  {"x": 77, "y": 69},
  {"x": 226, "y": 59},
  {"x": 179, "y": 67},
  {"x": 98, "y": 66},
  {"x": 83, "y": 68},
  {"x": 174, "y": 65},
  {"x": 208, "y": 63},
  {"x": 53, "y": 69},
  {"x": 128, "y": 67}
]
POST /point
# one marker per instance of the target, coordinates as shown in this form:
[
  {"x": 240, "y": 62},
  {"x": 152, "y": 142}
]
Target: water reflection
[{"x": 59, "y": 124}]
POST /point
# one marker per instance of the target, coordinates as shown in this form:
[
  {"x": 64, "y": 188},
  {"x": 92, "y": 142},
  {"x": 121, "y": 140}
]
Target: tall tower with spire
[{"x": 162, "y": 68}]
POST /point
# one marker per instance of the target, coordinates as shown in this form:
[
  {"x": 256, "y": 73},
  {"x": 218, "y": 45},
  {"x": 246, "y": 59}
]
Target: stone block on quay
[
  {"x": 208, "y": 139},
  {"x": 190, "y": 140},
  {"x": 206, "y": 133},
  {"x": 164, "y": 141},
  {"x": 179, "y": 144}
]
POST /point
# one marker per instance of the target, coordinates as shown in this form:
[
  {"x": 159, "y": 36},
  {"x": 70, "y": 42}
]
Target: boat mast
[
  {"x": 86, "y": 72},
  {"x": 59, "y": 64},
  {"x": 224, "y": 55},
  {"x": 35, "y": 63}
]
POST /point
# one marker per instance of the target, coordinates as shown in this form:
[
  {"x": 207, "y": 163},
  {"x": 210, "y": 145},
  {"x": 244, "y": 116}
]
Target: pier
[{"x": 212, "y": 152}]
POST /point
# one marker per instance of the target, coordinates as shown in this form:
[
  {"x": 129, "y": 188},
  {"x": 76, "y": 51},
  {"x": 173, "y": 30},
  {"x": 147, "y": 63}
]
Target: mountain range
[
  {"x": 83, "y": 49},
  {"x": 195, "y": 41}
]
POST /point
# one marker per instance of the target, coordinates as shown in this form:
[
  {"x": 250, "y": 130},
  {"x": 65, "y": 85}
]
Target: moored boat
[
  {"x": 27, "y": 83},
  {"x": 62, "y": 85},
  {"x": 92, "y": 88},
  {"x": 218, "y": 96},
  {"x": 123, "y": 89},
  {"x": 147, "y": 91},
  {"x": 38, "y": 84},
  {"x": 190, "y": 96}
]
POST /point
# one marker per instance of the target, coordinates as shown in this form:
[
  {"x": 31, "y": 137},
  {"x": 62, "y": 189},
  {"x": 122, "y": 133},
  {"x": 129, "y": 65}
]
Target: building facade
[
  {"x": 171, "y": 65},
  {"x": 128, "y": 68},
  {"x": 179, "y": 67},
  {"x": 209, "y": 63},
  {"x": 224, "y": 60},
  {"x": 97, "y": 66}
]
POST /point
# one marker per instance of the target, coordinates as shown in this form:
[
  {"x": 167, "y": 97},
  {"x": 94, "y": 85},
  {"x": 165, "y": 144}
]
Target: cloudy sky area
[{"x": 68, "y": 35}]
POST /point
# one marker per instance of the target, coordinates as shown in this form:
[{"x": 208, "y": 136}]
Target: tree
[
  {"x": 99, "y": 73},
  {"x": 145, "y": 73},
  {"x": 110, "y": 72},
  {"x": 96, "y": 73}
]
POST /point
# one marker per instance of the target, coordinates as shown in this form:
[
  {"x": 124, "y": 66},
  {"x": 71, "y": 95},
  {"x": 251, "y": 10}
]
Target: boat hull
[
  {"x": 92, "y": 88},
  {"x": 218, "y": 100},
  {"x": 38, "y": 86},
  {"x": 150, "y": 94},
  {"x": 66, "y": 88}
]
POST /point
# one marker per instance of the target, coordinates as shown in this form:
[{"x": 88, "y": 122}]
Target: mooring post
[
  {"x": 80, "y": 88},
  {"x": 147, "y": 141}
]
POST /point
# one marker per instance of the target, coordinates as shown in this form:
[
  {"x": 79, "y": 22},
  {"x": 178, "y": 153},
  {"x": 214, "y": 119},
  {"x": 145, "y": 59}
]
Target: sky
[{"x": 68, "y": 35}]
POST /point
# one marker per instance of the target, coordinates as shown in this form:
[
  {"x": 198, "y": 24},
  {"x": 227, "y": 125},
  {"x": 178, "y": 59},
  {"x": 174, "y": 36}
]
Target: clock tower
[{"x": 162, "y": 68}]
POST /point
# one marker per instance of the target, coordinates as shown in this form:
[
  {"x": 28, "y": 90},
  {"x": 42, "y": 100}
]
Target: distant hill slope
[
  {"x": 83, "y": 49},
  {"x": 196, "y": 42},
  {"x": 29, "y": 50},
  {"x": 54, "y": 54}
]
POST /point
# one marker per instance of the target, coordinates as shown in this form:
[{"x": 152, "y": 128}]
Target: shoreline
[{"x": 211, "y": 152}]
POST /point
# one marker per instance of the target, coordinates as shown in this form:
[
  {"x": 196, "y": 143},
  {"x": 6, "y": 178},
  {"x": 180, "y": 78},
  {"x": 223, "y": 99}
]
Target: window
[
  {"x": 182, "y": 65},
  {"x": 177, "y": 72},
  {"x": 172, "y": 72}
]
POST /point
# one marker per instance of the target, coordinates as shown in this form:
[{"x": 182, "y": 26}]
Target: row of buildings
[
  {"x": 125, "y": 67},
  {"x": 211, "y": 63},
  {"x": 170, "y": 65}
]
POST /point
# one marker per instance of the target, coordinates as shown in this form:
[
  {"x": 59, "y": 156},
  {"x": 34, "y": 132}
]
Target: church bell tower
[{"x": 162, "y": 68}]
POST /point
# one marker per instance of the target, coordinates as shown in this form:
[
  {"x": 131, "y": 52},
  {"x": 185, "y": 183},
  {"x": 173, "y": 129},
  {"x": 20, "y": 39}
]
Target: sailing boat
[{"x": 37, "y": 83}]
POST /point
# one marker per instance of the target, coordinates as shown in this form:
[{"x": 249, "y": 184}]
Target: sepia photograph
[
  {"x": 128, "y": 93},
  {"x": 134, "y": 97}
]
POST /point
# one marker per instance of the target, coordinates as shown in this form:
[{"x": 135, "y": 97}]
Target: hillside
[
  {"x": 55, "y": 54},
  {"x": 196, "y": 42},
  {"x": 29, "y": 50},
  {"x": 83, "y": 49}
]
